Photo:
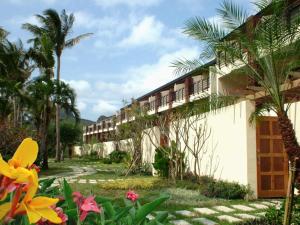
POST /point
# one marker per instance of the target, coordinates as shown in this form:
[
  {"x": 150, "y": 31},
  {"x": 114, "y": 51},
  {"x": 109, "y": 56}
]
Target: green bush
[
  {"x": 107, "y": 161},
  {"x": 119, "y": 156},
  {"x": 222, "y": 189},
  {"x": 161, "y": 162},
  {"x": 275, "y": 216}
]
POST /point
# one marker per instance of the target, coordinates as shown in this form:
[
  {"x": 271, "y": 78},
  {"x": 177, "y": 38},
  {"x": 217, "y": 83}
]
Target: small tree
[
  {"x": 195, "y": 134},
  {"x": 70, "y": 135}
]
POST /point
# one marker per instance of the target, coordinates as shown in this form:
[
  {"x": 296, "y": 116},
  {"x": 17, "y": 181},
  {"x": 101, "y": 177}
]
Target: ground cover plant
[{"x": 20, "y": 202}]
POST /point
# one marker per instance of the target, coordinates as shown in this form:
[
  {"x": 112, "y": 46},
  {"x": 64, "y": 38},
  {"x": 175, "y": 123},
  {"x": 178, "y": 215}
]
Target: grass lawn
[{"x": 185, "y": 195}]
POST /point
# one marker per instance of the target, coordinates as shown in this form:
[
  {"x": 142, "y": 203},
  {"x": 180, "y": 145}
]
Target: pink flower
[
  {"x": 131, "y": 195},
  {"x": 85, "y": 205}
]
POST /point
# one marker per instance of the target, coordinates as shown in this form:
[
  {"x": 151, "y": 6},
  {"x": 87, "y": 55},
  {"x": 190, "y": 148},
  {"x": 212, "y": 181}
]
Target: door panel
[{"x": 272, "y": 161}]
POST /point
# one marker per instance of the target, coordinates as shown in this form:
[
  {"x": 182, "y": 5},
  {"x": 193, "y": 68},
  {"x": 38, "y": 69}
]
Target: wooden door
[{"x": 272, "y": 161}]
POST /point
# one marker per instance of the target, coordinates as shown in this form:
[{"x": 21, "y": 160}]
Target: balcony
[{"x": 179, "y": 97}]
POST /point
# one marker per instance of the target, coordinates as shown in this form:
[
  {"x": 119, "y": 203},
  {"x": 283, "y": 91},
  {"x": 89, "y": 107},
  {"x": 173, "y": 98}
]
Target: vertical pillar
[{"x": 187, "y": 88}]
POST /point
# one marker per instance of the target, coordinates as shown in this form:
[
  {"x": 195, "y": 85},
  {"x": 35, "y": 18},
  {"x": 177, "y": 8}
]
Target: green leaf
[
  {"x": 68, "y": 195},
  {"x": 101, "y": 200},
  {"x": 123, "y": 212},
  {"x": 109, "y": 209},
  {"x": 45, "y": 184},
  {"x": 148, "y": 208}
]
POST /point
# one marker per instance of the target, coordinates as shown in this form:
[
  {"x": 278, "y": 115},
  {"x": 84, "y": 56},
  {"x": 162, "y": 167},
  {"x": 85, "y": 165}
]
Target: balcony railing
[
  {"x": 200, "y": 86},
  {"x": 179, "y": 95}
]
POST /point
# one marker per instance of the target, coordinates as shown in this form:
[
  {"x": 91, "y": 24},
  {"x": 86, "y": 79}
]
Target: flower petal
[
  {"x": 26, "y": 153},
  {"x": 32, "y": 186},
  {"x": 49, "y": 214},
  {"x": 4, "y": 168},
  {"x": 33, "y": 216},
  {"x": 43, "y": 202},
  {"x": 4, "y": 209}
]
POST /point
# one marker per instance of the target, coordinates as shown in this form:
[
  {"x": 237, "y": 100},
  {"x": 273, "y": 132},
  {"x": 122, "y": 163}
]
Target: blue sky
[{"x": 130, "y": 53}]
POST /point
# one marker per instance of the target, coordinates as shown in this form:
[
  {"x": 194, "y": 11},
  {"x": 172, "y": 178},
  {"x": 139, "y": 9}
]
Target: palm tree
[
  {"x": 58, "y": 28},
  {"x": 42, "y": 53},
  {"x": 14, "y": 71},
  {"x": 39, "y": 91},
  {"x": 268, "y": 48}
]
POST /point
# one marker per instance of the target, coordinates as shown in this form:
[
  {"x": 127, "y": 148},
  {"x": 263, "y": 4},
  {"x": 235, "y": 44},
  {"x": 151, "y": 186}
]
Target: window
[
  {"x": 179, "y": 94},
  {"x": 201, "y": 85},
  {"x": 164, "y": 100},
  {"x": 152, "y": 105}
]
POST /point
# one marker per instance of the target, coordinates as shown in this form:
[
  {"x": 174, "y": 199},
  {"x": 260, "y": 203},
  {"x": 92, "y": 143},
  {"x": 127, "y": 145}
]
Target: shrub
[
  {"x": 222, "y": 189},
  {"x": 10, "y": 139},
  {"x": 107, "y": 161},
  {"x": 161, "y": 162},
  {"x": 261, "y": 221},
  {"x": 275, "y": 216},
  {"x": 136, "y": 184},
  {"x": 119, "y": 156}
]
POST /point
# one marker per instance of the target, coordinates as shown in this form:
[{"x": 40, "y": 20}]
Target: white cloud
[
  {"x": 104, "y": 107},
  {"x": 81, "y": 105},
  {"x": 129, "y": 3},
  {"x": 150, "y": 31},
  {"x": 82, "y": 87}
]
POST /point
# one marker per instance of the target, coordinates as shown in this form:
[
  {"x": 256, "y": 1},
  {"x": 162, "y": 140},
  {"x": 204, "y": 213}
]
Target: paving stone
[
  {"x": 101, "y": 180},
  {"x": 246, "y": 216},
  {"x": 261, "y": 214},
  {"x": 180, "y": 222},
  {"x": 259, "y": 206},
  {"x": 204, "y": 221},
  {"x": 170, "y": 216},
  {"x": 150, "y": 217},
  {"x": 243, "y": 208},
  {"x": 268, "y": 203},
  {"x": 205, "y": 211},
  {"x": 224, "y": 209},
  {"x": 82, "y": 181},
  {"x": 185, "y": 213},
  {"x": 92, "y": 181},
  {"x": 276, "y": 202},
  {"x": 230, "y": 219}
]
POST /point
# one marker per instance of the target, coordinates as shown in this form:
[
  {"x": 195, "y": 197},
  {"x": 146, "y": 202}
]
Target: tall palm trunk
[
  {"x": 57, "y": 122},
  {"x": 292, "y": 148},
  {"x": 44, "y": 135}
]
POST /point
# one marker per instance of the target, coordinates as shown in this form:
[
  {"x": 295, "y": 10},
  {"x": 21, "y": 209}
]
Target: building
[{"x": 238, "y": 151}]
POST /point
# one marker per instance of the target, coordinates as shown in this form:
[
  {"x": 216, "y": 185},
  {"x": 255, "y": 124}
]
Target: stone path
[{"x": 231, "y": 213}]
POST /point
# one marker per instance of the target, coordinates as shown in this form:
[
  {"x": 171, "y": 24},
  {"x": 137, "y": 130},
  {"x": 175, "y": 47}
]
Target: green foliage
[
  {"x": 70, "y": 133},
  {"x": 107, "y": 161},
  {"x": 274, "y": 216},
  {"x": 161, "y": 162},
  {"x": 135, "y": 184},
  {"x": 113, "y": 212},
  {"x": 222, "y": 189},
  {"x": 10, "y": 139},
  {"x": 119, "y": 156},
  {"x": 165, "y": 157}
]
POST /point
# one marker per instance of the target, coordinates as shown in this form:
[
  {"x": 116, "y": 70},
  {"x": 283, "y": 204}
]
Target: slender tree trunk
[
  {"x": 44, "y": 139},
  {"x": 57, "y": 121},
  {"x": 15, "y": 112},
  {"x": 292, "y": 148}
]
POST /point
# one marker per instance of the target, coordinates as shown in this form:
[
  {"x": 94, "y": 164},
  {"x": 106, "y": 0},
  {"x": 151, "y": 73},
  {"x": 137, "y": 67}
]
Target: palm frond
[
  {"x": 203, "y": 30},
  {"x": 232, "y": 14},
  {"x": 73, "y": 41},
  {"x": 183, "y": 65}
]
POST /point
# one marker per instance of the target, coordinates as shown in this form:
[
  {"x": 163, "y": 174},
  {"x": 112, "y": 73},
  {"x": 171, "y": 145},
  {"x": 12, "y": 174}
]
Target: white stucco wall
[{"x": 231, "y": 148}]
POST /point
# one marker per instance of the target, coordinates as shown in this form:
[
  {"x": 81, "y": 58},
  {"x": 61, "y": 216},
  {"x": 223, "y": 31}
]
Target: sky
[{"x": 130, "y": 52}]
